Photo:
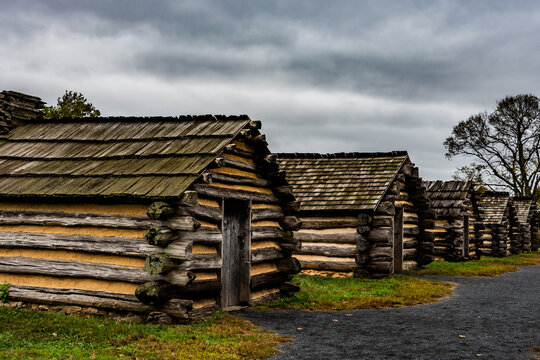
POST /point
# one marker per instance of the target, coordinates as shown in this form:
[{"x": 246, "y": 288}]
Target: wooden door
[
  {"x": 236, "y": 253},
  {"x": 466, "y": 240},
  {"x": 398, "y": 241}
]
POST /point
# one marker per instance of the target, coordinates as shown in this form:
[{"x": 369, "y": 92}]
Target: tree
[
  {"x": 71, "y": 105},
  {"x": 505, "y": 144}
]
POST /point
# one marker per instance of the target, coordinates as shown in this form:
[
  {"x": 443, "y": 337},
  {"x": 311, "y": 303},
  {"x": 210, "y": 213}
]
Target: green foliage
[
  {"x": 71, "y": 105},
  {"x": 28, "y": 334},
  {"x": 328, "y": 293},
  {"x": 505, "y": 144},
  {"x": 4, "y": 292}
]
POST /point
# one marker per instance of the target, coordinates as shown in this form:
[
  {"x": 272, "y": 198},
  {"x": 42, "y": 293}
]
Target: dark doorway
[
  {"x": 398, "y": 241},
  {"x": 236, "y": 253},
  {"x": 466, "y": 237}
]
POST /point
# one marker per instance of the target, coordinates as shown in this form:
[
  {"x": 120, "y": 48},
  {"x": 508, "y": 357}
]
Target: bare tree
[{"x": 505, "y": 144}]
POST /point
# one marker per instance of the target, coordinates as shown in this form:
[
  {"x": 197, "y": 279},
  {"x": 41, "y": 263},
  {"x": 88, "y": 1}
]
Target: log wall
[
  {"x": 494, "y": 239},
  {"x": 361, "y": 244}
]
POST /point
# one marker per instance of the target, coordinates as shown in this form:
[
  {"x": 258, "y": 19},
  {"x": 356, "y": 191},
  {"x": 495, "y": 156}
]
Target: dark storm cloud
[{"x": 323, "y": 76}]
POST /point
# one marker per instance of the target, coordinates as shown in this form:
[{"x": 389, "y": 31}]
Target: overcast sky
[{"x": 323, "y": 76}]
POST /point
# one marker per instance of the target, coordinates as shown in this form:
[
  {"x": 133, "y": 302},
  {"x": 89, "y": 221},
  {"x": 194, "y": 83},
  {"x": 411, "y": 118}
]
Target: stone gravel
[{"x": 485, "y": 318}]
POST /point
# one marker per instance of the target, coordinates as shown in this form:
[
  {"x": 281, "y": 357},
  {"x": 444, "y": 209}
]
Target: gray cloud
[{"x": 323, "y": 76}]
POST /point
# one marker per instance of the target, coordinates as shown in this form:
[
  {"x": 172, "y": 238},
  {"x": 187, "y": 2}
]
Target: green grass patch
[
  {"x": 486, "y": 266},
  {"x": 327, "y": 293},
  {"x": 29, "y": 334}
]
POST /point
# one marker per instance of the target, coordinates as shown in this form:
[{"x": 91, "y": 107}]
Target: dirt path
[{"x": 486, "y": 318}]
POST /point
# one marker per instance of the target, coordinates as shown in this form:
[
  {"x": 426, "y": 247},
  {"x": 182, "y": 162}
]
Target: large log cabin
[
  {"x": 454, "y": 204},
  {"x": 360, "y": 213},
  {"x": 496, "y": 213},
  {"x": 527, "y": 217},
  {"x": 175, "y": 215}
]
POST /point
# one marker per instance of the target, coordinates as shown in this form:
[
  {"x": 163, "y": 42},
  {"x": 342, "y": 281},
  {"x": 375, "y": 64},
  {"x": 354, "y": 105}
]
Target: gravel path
[{"x": 486, "y": 318}]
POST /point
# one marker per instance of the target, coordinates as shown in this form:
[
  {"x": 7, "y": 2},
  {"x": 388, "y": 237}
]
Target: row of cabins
[{"x": 180, "y": 216}]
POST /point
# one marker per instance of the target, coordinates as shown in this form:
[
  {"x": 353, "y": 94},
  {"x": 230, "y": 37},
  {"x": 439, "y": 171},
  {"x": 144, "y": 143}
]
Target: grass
[
  {"x": 29, "y": 334},
  {"x": 486, "y": 266},
  {"x": 327, "y": 293}
]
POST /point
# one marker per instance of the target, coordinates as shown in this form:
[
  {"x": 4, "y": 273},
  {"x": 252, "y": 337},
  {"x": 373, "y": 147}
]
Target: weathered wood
[
  {"x": 364, "y": 219},
  {"x": 202, "y": 236},
  {"x": 159, "y": 264},
  {"x": 328, "y": 223},
  {"x": 291, "y": 223},
  {"x": 202, "y": 262},
  {"x": 74, "y": 219},
  {"x": 179, "y": 309},
  {"x": 385, "y": 208},
  {"x": 385, "y": 267},
  {"x": 189, "y": 198},
  {"x": 155, "y": 293},
  {"x": 270, "y": 158},
  {"x": 135, "y": 247},
  {"x": 409, "y": 254},
  {"x": 362, "y": 244},
  {"x": 266, "y": 214},
  {"x": 179, "y": 278},
  {"x": 240, "y": 180},
  {"x": 382, "y": 221},
  {"x": 266, "y": 280},
  {"x": 207, "y": 177},
  {"x": 376, "y": 252},
  {"x": 288, "y": 287},
  {"x": 86, "y": 298},
  {"x": 207, "y": 213},
  {"x": 160, "y": 236},
  {"x": 265, "y": 254},
  {"x": 217, "y": 192},
  {"x": 182, "y": 223},
  {"x": 381, "y": 235},
  {"x": 364, "y": 229},
  {"x": 160, "y": 211},
  {"x": 240, "y": 165},
  {"x": 266, "y": 233},
  {"x": 335, "y": 251},
  {"x": 179, "y": 250},
  {"x": 76, "y": 269},
  {"x": 362, "y": 258},
  {"x": 289, "y": 266},
  {"x": 328, "y": 265},
  {"x": 342, "y": 238}
]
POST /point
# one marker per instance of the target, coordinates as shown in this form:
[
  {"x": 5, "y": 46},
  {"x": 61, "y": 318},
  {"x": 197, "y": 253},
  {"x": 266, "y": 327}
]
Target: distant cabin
[
  {"x": 360, "y": 212},
  {"x": 496, "y": 215},
  {"x": 178, "y": 215},
  {"x": 454, "y": 204},
  {"x": 527, "y": 216}
]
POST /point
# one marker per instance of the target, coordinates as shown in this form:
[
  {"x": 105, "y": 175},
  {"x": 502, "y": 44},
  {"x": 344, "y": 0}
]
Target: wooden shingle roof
[
  {"x": 493, "y": 205},
  {"x": 447, "y": 197},
  {"x": 141, "y": 157},
  {"x": 523, "y": 206},
  {"x": 344, "y": 181}
]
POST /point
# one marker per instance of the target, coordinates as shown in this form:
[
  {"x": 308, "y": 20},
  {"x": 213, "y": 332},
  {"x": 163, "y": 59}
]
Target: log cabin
[
  {"x": 527, "y": 217},
  {"x": 171, "y": 215},
  {"x": 360, "y": 213},
  {"x": 454, "y": 204},
  {"x": 496, "y": 213}
]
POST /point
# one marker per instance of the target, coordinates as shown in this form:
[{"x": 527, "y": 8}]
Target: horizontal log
[
  {"x": 207, "y": 213},
  {"x": 189, "y": 198},
  {"x": 202, "y": 236},
  {"x": 159, "y": 264},
  {"x": 160, "y": 211},
  {"x": 291, "y": 223},
  {"x": 266, "y": 214},
  {"x": 409, "y": 254},
  {"x": 383, "y": 221},
  {"x": 380, "y": 235},
  {"x": 160, "y": 236},
  {"x": 155, "y": 293},
  {"x": 240, "y": 165},
  {"x": 182, "y": 223},
  {"x": 86, "y": 298},
  {"x": 265, "y": 280},
  {"x": 179, "y": 250},
  {"x": 378, "y": 251},
  {"x": 384, "y": 267},
  {"x": 75, "y": 219},
  {"x": 201, "y": 262},
  {"x": 410, "y": 244},
  {"x": 289, "y": 265},
  {"x": 76, "y": 269},
  {"x": 329, "y": 223},
  {"x": 364, "y": 219},
  {"x": 411, "y": 231},
  {"x": 336, "y": 251},
  {"x": 217, "y": 192},
  {"x": 136, "y": 247},
  {"x": 341, "y": 238},
  {"x": 328, "y": 265},
  {"x": 265, "y": 254},
  {"x": 362, "y": 258},
  {"x": 180, "y": 278},
  {"x": 240, "y": 180},
  {"x": 385, "y": 208},
  {"x": 363, "y": 229},
  {"x": 178, "y": 309},
  {"x": 266, "y": 233}
]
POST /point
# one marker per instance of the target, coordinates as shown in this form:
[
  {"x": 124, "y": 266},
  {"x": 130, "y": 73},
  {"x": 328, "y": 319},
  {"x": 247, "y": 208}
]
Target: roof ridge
[
  {"x": 179, "y": 118},
  {"x": 341, "y": 155}
]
